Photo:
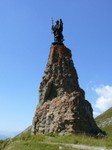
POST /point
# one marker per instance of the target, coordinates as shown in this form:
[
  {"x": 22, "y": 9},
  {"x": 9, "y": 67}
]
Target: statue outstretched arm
[
  {"x": 61, "y": 25},
  {"x": 61, "y": 21}
]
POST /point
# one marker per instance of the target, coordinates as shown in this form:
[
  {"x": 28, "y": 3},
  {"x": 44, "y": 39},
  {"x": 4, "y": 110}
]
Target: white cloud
[
  {"x": 95, "y": 114},
  {"x": 104, "y": 100}
]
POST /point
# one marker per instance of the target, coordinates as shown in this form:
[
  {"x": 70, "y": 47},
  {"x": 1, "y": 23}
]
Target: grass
[
  {"x": 27, "y": 142},
  {"x": 31, "y": 145},
  {"x": 46, "y": 142},
  {"x": 4, "y": 143},
  {"x": 104, "y": 116}
]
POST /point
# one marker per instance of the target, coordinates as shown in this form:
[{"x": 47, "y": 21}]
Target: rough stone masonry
[{"x": 62, "y": 105}]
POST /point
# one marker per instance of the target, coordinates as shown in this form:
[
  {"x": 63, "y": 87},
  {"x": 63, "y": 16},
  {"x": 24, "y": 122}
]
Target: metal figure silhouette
[{"x": 57, "y": 31}]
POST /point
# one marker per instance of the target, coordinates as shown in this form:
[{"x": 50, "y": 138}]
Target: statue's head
[{"x": 57, "y": 22}]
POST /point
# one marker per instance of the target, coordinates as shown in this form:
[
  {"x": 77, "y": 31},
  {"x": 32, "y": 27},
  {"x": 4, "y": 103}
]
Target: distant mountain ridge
[
  {"x": 8, "y": 134},
  {"x": 2, "y": 137},
  {"x": 27, "y": 130}
]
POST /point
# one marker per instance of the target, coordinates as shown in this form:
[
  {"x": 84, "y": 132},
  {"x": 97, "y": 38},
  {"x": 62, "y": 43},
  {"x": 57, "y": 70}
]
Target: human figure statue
[{"x": 57, "y": 31}]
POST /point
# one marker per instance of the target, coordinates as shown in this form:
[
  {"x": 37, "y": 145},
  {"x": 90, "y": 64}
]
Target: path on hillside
[{"x": 78, "y": 146}]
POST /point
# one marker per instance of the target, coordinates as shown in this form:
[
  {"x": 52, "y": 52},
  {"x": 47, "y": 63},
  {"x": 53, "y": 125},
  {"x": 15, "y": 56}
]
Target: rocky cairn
[{"x": 62, "y": 106}]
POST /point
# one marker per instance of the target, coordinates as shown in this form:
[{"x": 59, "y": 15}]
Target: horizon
[{"x": 25, "y": 41}]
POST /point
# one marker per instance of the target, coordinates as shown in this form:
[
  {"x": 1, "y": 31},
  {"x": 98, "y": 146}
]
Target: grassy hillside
[
  {"x": 104, "y": 121},
  {"x": 105, "y": 115},
  {"x": 25, "y": 141},
  {"x": 46, "y": 142}
]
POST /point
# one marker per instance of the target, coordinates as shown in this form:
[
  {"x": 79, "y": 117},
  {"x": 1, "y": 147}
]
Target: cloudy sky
[{"x": 25, "y": 41}]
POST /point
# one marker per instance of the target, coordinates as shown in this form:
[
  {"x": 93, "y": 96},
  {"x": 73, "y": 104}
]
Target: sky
[{"x": 25, "y": 41}]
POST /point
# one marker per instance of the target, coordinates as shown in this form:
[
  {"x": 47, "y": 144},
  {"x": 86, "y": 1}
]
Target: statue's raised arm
[
  {"x": 61, "y": 25},
  {"x": 57, "y": 31}
]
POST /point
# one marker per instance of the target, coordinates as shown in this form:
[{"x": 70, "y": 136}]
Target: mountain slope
[
  {"x": 2, "y": 137},
  {"x": 56, "y": 142},
  {"x": 27, "y": 131},
  {"x": 105, "y": 119}
]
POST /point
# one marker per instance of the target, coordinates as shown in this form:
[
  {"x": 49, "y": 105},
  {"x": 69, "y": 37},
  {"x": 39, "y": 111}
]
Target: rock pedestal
[{"x": 62, "y": 106}]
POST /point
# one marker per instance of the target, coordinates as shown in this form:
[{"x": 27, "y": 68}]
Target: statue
[{"x": 57, "y": 31}]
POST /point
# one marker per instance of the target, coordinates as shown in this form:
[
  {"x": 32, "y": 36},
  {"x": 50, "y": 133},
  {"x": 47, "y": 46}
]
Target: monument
[
  {"x": 62, "y": 105},
  {"x": 57, "y": 31}
]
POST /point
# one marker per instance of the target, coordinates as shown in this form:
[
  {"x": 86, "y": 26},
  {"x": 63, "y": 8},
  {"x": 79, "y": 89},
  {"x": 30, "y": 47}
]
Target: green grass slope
[
  {"x": 105, "y": 115},
  {"x": 105, "y": 119},
  {"x": 52, "y": 142}
]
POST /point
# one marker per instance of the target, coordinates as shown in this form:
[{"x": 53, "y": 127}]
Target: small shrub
[{"x": 4, "y": 143}]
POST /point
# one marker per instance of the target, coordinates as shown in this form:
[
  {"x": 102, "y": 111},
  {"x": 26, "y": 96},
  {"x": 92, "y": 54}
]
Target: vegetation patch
[
  {"x": 107, "y": 114},
  {"x": 48, "y": 141}
]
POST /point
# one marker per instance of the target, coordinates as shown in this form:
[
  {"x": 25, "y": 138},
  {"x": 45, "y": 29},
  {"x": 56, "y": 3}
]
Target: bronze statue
[{"x": 57, "y": 31}]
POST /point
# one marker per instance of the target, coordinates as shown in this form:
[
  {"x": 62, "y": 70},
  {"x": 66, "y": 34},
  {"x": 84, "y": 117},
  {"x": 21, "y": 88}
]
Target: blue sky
[{"x": 25, "y": 41}]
